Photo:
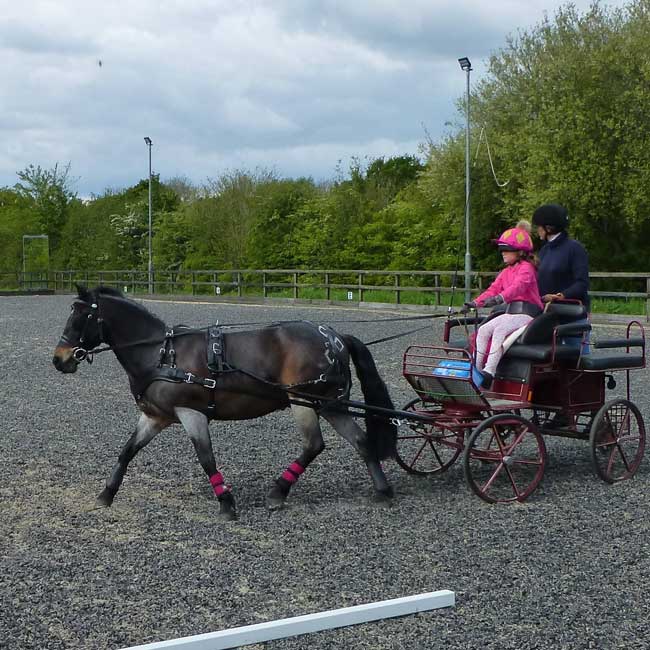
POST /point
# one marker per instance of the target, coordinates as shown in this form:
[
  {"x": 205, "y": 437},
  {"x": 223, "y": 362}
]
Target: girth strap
[{"x": 173, "y": 375}]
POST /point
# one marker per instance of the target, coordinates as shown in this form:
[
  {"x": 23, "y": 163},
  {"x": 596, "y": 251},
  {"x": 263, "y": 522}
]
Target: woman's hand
[{"x": 550, "y": 297}]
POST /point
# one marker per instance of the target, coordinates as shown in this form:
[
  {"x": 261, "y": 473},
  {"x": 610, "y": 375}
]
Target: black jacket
[{"x": 564, "y": 268}]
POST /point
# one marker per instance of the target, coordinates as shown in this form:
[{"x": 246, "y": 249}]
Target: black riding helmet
[{"x": 551, "y": 214}]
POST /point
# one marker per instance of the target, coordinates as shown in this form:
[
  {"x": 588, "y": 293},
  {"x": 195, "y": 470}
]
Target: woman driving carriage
[
  {"x": 563, "y": 269},
  {"x": 516, "y": 286}
]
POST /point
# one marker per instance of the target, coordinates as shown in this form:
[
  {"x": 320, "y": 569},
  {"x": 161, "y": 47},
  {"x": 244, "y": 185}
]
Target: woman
[{"x": 563, "y": 269}]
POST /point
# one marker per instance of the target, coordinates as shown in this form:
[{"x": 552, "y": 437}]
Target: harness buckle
[
  {"x": 210, "y": 383},
  {"x": 188, "y": 378}
]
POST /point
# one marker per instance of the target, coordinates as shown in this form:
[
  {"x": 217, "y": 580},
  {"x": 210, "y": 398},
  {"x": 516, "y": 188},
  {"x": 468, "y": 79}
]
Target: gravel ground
[{"x": 567, "y": 569}]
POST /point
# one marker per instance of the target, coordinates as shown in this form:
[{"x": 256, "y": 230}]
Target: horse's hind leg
[
  {"x": 307, "y": 421},
  {"x": 346, "y": 426},
  {"x": 197, "y": 426},
  {"x": 146, "y": 430}
]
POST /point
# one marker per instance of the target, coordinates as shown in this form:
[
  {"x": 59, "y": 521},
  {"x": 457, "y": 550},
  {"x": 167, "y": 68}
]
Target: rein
[{"x": 82, "y": 354}]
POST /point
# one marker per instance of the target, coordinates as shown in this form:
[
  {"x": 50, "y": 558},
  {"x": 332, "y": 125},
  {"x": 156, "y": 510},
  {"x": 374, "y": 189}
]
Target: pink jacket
[{"x": 516, "y": 282}]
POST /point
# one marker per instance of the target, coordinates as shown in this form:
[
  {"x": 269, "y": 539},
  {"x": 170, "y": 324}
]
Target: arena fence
[{"x": 622, "y": 292}]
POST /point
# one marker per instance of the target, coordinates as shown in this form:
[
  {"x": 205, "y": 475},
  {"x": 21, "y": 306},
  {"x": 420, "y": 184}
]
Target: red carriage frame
[{"x": 558, "y": 382}]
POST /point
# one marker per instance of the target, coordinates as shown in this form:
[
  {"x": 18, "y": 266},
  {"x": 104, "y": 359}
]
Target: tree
[{"x": 49, "y": 193}]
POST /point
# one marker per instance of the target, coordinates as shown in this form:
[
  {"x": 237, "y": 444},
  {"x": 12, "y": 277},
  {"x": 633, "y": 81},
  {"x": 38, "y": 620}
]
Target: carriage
[{"x": 551, "y": 382}]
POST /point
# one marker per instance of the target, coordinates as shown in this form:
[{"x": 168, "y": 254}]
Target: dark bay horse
[{"x": 259, "y": 371}]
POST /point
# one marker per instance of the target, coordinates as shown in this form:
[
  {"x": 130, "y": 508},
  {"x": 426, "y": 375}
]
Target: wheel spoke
[
  {"x": 415, "y": 458},
  {"x": 435, "y": 452},
  {"x": 512, "y": 481},
  {"x": 492, "y": 478}
]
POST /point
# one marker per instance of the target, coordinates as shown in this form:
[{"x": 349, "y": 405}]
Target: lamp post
[
  {"x": 466, "y": 65},
  {"x": 149, "y": 143}
]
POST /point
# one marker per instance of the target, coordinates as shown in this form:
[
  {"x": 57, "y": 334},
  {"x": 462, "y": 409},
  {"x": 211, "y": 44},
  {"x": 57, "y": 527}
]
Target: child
[{"x": 516, "y": 286}]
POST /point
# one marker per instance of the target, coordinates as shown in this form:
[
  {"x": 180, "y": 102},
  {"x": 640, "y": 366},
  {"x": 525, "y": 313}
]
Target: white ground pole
[{"x": 286, "y": 627}]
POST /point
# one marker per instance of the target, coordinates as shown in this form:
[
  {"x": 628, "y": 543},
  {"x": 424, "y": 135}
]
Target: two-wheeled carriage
[{"x": 551, "y": 381}]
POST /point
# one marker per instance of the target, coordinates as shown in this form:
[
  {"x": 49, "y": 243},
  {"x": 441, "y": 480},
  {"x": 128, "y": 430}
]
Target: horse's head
[{"x": 82, "y": 332}]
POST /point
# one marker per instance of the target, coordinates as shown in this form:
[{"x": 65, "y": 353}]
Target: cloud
[{"x": 294, "y": 86}]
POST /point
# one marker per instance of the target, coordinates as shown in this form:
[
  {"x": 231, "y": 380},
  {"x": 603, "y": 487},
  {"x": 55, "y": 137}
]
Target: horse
[{"x": 192, "y": 376}]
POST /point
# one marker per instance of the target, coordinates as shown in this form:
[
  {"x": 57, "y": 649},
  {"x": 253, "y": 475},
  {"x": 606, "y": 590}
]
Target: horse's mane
[{"x": 101, "y": 290}]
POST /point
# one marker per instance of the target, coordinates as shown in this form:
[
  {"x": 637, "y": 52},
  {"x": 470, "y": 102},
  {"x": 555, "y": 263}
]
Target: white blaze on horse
[{"x": 191, "y": 376}]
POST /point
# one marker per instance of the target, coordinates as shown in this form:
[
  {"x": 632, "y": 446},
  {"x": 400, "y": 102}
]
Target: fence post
[
  {"x": 239, "y": 291},
  {"x": 398, "y": 295},
  {"x": 327, "y": 285},
  {"x": 193, "y": 285},
  {"x": 647, "y": 298},
  {"x": 360, "y": 286},
  {"x": 264, "y": 292},
  {"x": 436, "y": 284}
]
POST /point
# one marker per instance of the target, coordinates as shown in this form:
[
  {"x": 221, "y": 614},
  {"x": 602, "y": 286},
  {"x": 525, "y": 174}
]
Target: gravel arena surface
[{"x": 569, "y": 568}]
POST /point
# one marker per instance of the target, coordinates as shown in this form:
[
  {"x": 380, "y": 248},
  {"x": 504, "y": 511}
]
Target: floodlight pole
[
  {"x": 149, "y": 143},
  {"x": 466, "y": 65}
]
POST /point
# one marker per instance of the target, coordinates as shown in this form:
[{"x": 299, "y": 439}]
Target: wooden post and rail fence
[{"x": 395, "y": 288}]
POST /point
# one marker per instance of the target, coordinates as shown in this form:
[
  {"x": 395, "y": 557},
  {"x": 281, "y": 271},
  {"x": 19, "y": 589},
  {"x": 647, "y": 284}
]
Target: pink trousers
[{"x": 494, "y": 333}]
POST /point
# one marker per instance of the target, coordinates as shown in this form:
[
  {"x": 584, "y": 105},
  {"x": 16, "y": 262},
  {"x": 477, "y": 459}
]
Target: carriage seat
[
  {"x": 536, "y": 341},
  {"x": 619, "y": 361}
]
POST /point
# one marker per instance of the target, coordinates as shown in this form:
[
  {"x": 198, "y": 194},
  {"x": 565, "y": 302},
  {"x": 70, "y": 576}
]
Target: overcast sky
[{"x": 291, "y": 86}]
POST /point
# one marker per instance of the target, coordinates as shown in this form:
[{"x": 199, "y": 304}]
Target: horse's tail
[{"x": 382, "y": 433}]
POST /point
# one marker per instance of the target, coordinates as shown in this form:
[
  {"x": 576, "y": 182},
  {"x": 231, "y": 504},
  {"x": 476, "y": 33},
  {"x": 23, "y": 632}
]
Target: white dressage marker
[{"x": 286, "y": 627}]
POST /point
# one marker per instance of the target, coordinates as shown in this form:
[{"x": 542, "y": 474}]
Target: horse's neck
[{"x": 128, "y": 323}]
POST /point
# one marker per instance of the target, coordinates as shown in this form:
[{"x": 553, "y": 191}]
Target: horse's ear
[{"x": 83, "y": 293}]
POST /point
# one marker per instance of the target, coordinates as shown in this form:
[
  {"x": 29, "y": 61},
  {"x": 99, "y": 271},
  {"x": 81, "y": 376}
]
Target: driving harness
[{"x": 217, "y": 363}]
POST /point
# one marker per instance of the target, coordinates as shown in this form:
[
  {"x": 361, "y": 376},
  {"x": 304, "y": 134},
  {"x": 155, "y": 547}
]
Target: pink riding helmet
[{"x": 515, "y": 239}]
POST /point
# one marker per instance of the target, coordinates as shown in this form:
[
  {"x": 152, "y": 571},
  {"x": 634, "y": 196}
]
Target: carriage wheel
[
  {"x": 505, "y": 458},
  {"x": 426, "y": 448},
  {"x": 617, "y": 440}
]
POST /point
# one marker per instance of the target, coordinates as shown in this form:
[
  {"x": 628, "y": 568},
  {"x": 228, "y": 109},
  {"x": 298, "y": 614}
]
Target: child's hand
[
  {"x": 493, "y": 300},
  {"x": 468, "y": 306}
]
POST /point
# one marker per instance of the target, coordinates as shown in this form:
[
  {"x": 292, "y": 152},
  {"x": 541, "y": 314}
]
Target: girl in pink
[{"x": 516, "y": 286}]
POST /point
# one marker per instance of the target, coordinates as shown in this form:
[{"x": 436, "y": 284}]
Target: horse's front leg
[
  {"x": 307, "y": 421},
  {"x": 197, "y": 426},
  {"x": 146, "y": 430},
  {"x": 346, "y": 426}
]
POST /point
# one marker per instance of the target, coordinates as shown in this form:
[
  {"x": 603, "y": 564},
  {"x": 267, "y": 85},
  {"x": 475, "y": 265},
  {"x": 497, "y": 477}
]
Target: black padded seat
[
  {"x": 535, "y": 343},
  {"x": 541, "y": 352},
  {"x": 610, "y": 362},
  {"x": 540, "y": 330}
]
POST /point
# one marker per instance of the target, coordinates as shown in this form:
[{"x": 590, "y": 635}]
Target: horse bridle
[{"x": 79, "y": 352}]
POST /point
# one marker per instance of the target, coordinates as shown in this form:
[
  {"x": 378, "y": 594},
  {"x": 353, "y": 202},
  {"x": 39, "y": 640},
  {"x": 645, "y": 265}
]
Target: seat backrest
[
  {"x": 540, "y": 330},
  {"x": 567, "y": 312}
]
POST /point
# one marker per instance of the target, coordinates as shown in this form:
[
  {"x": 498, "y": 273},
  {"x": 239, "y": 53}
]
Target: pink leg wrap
[
  {"x": 216, "y": 480},
  {"x": 293, "y": 472}
]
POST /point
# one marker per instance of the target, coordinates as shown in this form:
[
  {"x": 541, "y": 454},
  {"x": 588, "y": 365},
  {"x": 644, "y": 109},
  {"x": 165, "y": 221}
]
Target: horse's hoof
[
  {"x": 274, "y": 503},
  {"x": 104, "y": 500},
  {"x": 384, "y": 498},
  {"x": 227, "y": 515},
  {"x": 277, "y": 496}
]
